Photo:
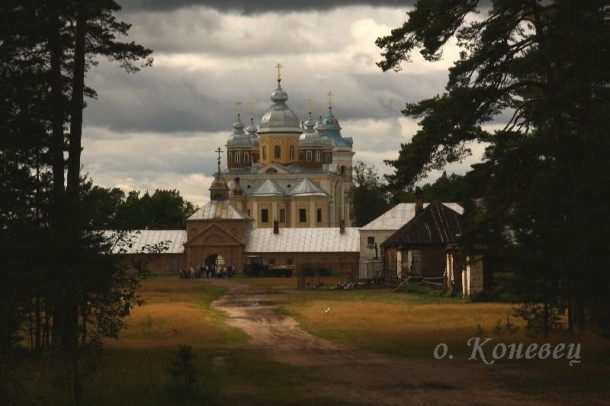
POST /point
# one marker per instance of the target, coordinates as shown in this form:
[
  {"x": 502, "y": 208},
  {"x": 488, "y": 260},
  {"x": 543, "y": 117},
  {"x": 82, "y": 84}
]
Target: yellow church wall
[
  {"x": 268, "y": 144},
  {"x": 291, "y": 207}
]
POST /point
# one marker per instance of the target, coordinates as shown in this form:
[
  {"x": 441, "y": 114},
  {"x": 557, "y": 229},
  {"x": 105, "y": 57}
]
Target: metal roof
[
  {"x": 279, "y": 187},
  {"x": 140, "y": 241},
  {"x": 399, "y": 215},
  {"x": 436, "y": 224},
  {"x": 306, "y": 188},
  {"x": 218, "y": 210},
  {"x": 279, "y": 118},
  {"x": 324, "y": 239},
  {"x": 268, "y": 188}
]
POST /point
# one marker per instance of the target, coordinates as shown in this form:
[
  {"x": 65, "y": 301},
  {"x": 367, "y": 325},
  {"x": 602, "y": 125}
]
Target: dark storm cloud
[
  {"x": 250, "y": 7},
  {"x": 169, "y": 100}
]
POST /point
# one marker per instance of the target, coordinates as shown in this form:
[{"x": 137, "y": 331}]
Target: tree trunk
[
  {"x": 77, "y": 105},
  {"x": 57, "y": 115}
]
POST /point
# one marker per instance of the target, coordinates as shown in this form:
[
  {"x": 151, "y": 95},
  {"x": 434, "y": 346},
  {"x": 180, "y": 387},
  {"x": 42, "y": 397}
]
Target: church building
[
  {"x": 298, "y": 173},
  {"x": 284, "y": 200}
]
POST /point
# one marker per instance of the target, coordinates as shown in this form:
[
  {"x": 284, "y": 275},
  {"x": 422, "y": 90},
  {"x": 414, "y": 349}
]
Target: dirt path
[{"x": 359, "y": 377}]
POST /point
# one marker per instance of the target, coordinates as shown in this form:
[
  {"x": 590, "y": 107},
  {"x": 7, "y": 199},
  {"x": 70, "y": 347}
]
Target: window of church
[
  {"x": 265, "y": 152},
  {"x": 230, "y": 157},
  {"x": 282, "y": 215},
  {"x": 317, "y": 156},
  {"x": 327, "y": 158},
  {"x": 319, "y": 215},
  {"x": 292, "y": 152},
  {"x": 246, "y": 157},
  {"x": 308, "y": 156},
  {"x": 264, "y": 215},
  {"x": 277, "y": 152},
  {"x": 237, "y": 157},
  {"x": 303, "y": 215}
]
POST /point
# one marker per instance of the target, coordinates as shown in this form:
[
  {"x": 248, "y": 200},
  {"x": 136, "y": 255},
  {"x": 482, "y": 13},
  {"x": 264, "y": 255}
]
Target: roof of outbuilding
[
  {"x": 436, "y": 224},
  {"x": 142, "y": 241},
  {"x": 399, "y": 215},
  {"x": 324, "y": 239}
]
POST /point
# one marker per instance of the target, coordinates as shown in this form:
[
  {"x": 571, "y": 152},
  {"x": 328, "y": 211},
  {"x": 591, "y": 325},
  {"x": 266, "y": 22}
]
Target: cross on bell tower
[
  {"x": 219, "y": 152},
  {"x": 219, "y": 189}
]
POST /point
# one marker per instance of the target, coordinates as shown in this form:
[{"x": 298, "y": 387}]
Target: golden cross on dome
[
  {"x": 320, "y": 109},
  {"x": 279, "y": 74},
  {"x": 238, "y": 107},
  {"x": 330, "y": 98}
]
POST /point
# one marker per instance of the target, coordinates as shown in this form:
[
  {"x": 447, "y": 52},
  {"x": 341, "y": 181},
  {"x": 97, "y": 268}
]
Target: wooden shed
[{"x": 425, "y": 249}]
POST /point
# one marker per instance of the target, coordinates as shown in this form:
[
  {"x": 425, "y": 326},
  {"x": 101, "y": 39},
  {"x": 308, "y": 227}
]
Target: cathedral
[
  {"x": 283, "y": 201},
  {"x": 296, "y": 172}
]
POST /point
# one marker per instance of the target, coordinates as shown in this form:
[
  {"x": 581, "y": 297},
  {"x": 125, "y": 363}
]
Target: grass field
[{"x": 134, "y": 369}]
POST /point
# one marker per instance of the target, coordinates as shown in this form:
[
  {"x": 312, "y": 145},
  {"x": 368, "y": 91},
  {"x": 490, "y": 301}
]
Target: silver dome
[
  {"x": 279, "y": 118},
  {"x": 239, "y": 138}
]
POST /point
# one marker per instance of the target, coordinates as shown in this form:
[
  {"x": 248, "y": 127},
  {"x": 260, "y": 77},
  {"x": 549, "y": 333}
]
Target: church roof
[
  {"x": 306, "y": 188},
  {"x": 310, "y": 136},
  {"x": 268, "y": 188},
  {"x": 279, "y": 187},
  {"x": 399, "y": 215},
  {"x": 279, "y": 118},
  {"x": 141, "y": 241},
  {"x": 330, "y": 128},
  {"x": 324, "y": 239},
  {"x": 239, "y": 138},
  {"x": 436, "y": 224},
  {"x": 218, "y": 210}
]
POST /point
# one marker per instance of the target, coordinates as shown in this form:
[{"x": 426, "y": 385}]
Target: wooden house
[{"x": 425, "y": 249}]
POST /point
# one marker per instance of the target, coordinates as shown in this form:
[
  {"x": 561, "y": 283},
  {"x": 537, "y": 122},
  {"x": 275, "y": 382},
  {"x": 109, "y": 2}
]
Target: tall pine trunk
[{"x": 77, "y": 105}]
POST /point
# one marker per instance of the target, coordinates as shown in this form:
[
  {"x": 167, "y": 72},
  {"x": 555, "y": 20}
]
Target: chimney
[
  {"x": 419, "y": 200},
  {"x": 276, "y": 227},
  {"x": 237, "y": 187},
  {"x": 342, "y": 226}
]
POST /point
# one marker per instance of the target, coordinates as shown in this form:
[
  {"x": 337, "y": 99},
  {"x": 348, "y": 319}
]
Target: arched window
[
  {"x": 237, "y": 157},
  {"x": 308, "y": 156},
  {"x": 230, "y": 157},
  {"x": 264, "y": 152},
  {"x": 246, "y": 157},
  {"x": 317, "y": 156},
  {"x": 327, "y": 158},
  {"x": 277, "y": 152},
  {"x": 292, "y": 152}
]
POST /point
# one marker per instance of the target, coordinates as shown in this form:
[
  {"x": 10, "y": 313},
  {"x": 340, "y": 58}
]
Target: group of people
[{"x": 205, "y": 271}]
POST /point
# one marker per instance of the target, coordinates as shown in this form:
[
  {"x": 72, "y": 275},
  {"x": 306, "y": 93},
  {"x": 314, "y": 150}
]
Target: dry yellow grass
[
  {"x": 175, "y": 312},
  {"x": 401, "y": 328}
]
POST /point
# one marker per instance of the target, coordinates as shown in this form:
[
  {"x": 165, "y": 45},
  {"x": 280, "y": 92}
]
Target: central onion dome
[{"x": 279, "y": 118}]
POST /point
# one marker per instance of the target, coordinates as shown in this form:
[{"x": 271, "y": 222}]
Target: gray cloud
[
  {"x": 165, "y": 100},
  {"x": 159, "y": 128},
  {"x": 250, "y": 7}
]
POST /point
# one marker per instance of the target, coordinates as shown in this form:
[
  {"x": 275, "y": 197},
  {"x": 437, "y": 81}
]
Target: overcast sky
[{"x": 158, "y": 129}]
